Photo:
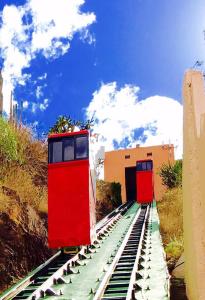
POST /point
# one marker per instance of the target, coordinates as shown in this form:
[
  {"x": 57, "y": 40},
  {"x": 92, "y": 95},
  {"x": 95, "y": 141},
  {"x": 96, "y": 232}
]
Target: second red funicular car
[
  {"x": 144, "y": 181},
  {"x": 71, "y": 192}
]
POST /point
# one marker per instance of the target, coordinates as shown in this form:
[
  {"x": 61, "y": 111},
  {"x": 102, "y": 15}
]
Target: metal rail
[
  {"x": 119, "y": 281},
  {"x": 39, "y": 283}
]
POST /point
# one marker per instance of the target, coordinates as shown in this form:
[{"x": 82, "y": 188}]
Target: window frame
[{"x": 63, "y": 138}]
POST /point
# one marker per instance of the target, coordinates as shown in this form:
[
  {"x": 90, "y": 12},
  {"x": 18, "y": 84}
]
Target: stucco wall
[
  {"x": 194, "y": 184},
  {"x": 115, "y": 164}
]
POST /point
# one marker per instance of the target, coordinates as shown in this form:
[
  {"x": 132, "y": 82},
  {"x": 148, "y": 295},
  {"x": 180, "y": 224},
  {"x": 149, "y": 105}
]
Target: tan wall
[
  {"x": 115, "y": 164},
  {"x": 194, "y": 184}
]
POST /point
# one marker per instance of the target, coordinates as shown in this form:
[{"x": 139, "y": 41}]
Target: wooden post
[{"x": 194, "y": 184}]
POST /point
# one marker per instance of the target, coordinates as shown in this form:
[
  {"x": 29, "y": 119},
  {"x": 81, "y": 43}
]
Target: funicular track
[
  {"x": 112, "y": 260},
  {"x": 119, "y": 282},
  {"x": 37, "y": 284}
]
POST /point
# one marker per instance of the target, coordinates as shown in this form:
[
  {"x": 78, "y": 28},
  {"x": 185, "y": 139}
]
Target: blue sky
[{"x": 144, "y": 44}]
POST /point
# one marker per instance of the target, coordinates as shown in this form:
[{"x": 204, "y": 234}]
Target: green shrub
[
  {"x": 116, "y": 193},
  {"x": 108, "y": 196},
  {"x": 171, "y": 174},
  {"x": 174, "y": 248},
  {"x": 8, "y": 142}
]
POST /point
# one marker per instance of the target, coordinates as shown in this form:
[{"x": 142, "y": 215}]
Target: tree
[
  {"x": 67, "y": 124},
  {"x": 171, "y": 174}
]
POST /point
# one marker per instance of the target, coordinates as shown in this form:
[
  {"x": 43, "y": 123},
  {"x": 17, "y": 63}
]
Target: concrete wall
[
  {"x": 194, "y": 184},
  {"x": 115, "y": 164}
]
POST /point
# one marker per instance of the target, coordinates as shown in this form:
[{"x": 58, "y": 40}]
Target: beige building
[{"x": 120, "y": 166}]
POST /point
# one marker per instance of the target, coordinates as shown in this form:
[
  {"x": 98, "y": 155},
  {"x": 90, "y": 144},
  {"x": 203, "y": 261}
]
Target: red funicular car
[
  {"x": 144, "y": 181},
  {"x": 71, "y": 192}
]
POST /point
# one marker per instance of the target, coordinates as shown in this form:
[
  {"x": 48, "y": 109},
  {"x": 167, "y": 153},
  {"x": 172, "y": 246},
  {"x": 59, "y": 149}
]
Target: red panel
[
  {"x": 69, "y": 204},
  {"x": 57, "y": 135},
  {"x": 145, "y": 188}
]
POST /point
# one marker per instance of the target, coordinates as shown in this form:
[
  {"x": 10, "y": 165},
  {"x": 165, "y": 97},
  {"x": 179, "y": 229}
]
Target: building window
[
  {"x": 149, "y": 154},
  {"x": 127, "y": 156}
]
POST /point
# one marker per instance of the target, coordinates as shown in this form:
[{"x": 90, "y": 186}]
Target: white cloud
[
  {"x": 49, "y": 29},
  {"x": 43, "y": 106},
  {"x": 39, "y": 92},
  {"x": 121, "y": 118},
  {"x": 34, "y": 107},
  {"x": 25, "y": 104},
  {"x": 44, "y": 76},
  {"x": 39, "y": 106}
]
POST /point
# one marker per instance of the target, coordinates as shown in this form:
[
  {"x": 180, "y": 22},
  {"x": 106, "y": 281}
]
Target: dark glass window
[
  {"x": 57, "y": 152},
  {"x": 144, "y": 166},
  {"x": 139, "y": 166},
  {"x": 149, "y": 165},
  {"x": 68, "y": 148},
  {"x": 81, "y": 150},
  {"x": 127, "y": 156},
  {"x": 149, "y": 154}
]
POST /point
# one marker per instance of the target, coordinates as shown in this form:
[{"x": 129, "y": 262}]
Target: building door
[{"x": 130, "y": 183}]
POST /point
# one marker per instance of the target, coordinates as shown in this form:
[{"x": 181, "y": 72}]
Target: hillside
[{"x": 23, "y": 203}]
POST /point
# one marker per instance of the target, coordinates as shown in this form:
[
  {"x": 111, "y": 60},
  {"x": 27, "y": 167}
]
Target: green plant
[
  {"x": 171, "y": 174},
  {"x": 108, "y": 196},
  {"x": 116, "y": 193},
  {"x": 67, "y": 124},
  {"x": 174, "y": 248},
  {"x": 8, "y": 142},
  {"x": 171, "y": 221}
]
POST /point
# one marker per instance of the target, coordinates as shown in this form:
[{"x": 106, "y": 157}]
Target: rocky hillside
[{"x": 23, "y": 203}]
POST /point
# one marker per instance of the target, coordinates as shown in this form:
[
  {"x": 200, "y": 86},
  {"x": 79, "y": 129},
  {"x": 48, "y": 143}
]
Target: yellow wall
[
  {"x": 115, "y": 164},
  {"x": 194, "y": 184}
]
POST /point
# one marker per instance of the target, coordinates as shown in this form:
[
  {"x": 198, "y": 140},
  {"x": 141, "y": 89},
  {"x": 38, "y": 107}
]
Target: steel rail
[
  {"x": 129, "y": 241},
  {"x": 45, "y": 288},
  {"x": 131, "y": 288}
]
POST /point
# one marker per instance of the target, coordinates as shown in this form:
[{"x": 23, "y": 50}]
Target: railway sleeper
[
  {"x": 118, "y": 285},
  {"x": 132, "y": 248},
  {"x": 114, "y": 298},
  {"x": 134, "y": 241},
  {"x": 120, "y": 278},
  {"x": 121, "y": 273},
  {"x": 121, "y": 290},
  {"x": 124, "y": 259},
  {"x": 124, "y": 268}
]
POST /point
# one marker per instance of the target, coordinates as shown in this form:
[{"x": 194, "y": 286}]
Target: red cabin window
[
  {"x": 81, "y": 147},
  {"x": 68, "y": 149},
  {"x": 57, "y": 152}
]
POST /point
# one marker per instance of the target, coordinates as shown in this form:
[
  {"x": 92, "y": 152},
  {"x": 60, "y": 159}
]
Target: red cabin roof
[{"x": 56, "y": 135}]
